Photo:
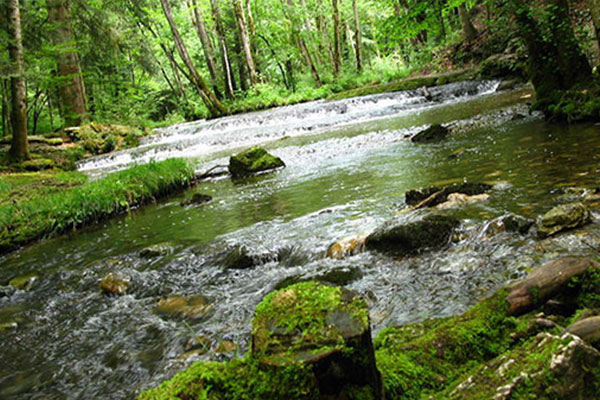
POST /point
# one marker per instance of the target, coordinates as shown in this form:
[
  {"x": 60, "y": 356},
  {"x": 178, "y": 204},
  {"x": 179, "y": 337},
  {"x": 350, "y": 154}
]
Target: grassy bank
[{"x": 34, "y": 206}]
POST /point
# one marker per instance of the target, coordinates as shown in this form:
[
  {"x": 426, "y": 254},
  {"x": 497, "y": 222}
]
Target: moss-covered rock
[
  {"x": 323, "y": 326},
  {"x": 156, "y": 250},
  {"x": 196, "y": 199},
  {"x": 563, "y": 217},
  {"x": 401, "y": 238},
  {"x": 38, "y": 164},
  {"x": 24, "y": 282},
  {"x": 253, "y": 161}
]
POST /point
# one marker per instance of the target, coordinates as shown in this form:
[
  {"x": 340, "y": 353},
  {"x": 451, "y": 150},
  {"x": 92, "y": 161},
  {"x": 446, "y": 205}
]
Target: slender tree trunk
[
  {"x": 215, "y": 108},
  {"x": 245, "y": 40},
  {"x": 594, "y": 6},
  {"x": 50, "y": 113},
  {"x": 228, "y": 73},
  {"x": 324, "y": 33},
  {"x": 302, "y": 44},
  {"x": 281, "y": 69},
  {"x": 308, "y": 28},
  {"x": 71, "y": 85},
  {"x": 374, "y": 37},
  {"x": 207, "y": 48},
  {"x": 19, "y": 148},
  {"x": 337, "y": 39},
  {"x": 252, "y": 31},
  {"x": 5, "y": 110},
  {"x": 467, "y": 25},
  {"x": 358, "y": 38}
]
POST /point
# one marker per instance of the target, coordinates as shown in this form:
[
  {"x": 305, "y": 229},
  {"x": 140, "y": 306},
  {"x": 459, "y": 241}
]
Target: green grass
[{"x": 41, "y": 211}]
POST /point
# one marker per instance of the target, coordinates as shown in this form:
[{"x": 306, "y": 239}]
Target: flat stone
[{"x": 181, "y": 307}]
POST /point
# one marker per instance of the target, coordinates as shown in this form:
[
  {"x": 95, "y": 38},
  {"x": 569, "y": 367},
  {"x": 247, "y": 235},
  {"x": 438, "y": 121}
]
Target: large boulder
[
  {"x": 563, "y": 217},
  {"x": 434, "y": 133},
  {"x": 434, "y": 195},
  {"x": 321, "y": 326},
  {"x": 253, "y": 161},
  {"x": 588, "y": 329},
  {"x": 403, "y": 238}
]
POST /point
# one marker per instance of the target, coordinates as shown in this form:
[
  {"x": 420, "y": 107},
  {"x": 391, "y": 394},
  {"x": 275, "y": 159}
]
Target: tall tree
[
  {"x": 198, "y": 21},
  {"x": 215, "y": 108},
  {"x": 245, "y": 39},
  {"x": 468, "y": 28},
  {"x": 19, "y": 146},
  {"x": 337, "y": 39},
  {"x": 357, "y": 37},
  {"x": 71, "y": 87},
  {"x": 227, "y": 71}
]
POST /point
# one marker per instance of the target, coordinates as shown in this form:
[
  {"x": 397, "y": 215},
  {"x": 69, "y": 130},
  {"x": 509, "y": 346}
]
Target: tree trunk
[
  {"x": 215, "y": 108},
  {"x": 245, "y": 40},
  {"x": 19, "y": 148},
  {"x": 467, "y": 25},
  {"x": 207, "y": 48},
  {"x": 324, "y": 32},
  {"x": 594, "y": 6},
  {"x": 337, "y": 39},
  {"x": 71, "y": 85},
  {"x": 5, "y": 108},
  {"x": 301, "y": 43},
  {"x": 252, "y": 31},
  {"x": 358, "y": 38},
  {"x": 374, "y": 37},
  {"x": 228, "y": 73}
]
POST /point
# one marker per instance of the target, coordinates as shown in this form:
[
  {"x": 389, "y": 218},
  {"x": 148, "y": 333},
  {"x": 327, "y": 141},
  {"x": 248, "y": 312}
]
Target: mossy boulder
[
  {"x": 115, "y": 283},
  {"x": 253, "y": 161},
  {"x": 194, "y": 307},
  {"x": 403, "y": 238},
  {"x": 323, "y": 326},
  {"x": 434, "y": 133},
  {"x": 563, "y": 217}
]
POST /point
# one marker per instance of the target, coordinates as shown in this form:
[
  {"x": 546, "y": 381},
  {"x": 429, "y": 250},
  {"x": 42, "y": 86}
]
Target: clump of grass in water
[{"x": 46, "y": 215}]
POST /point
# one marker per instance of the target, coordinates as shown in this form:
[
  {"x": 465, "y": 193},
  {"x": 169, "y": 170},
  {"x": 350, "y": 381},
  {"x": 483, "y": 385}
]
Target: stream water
[{"x": 349, "y": 164}]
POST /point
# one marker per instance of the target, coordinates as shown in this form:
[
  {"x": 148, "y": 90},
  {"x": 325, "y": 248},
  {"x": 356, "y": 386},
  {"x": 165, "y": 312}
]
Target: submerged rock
[
  {"x": 401, "y": 238},
  {"x": 322, "y": 326},
  {"x": 115, "y": 283},
  {"x": 24, "y": 282},
  {"x": 337, "y": 276},
  {"x": 181, "y": 307},
  {"x": 460, "y": 199},
  {"x": 434, "y": 195},
  {"x": 563, "y": 217},
  {"x": 157, "y": 250},
  {"x": 253, "y": 161},
  {"x": 432, "y": 134},
  {"x": 517, "y": 223},
  {"x": 226, "y": 346},
  {"x": 8, "y": 326},
  {"x": 196, "y": 199},
  {"x": 347, "y": 247},
  {"x": 238, "y": 258}
]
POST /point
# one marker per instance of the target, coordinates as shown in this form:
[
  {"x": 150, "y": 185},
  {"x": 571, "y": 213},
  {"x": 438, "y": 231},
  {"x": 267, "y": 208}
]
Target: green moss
[
  {"x": 240, "y": 379},
  {"x": 303, "y": 309},
  {"x": 252, "y": 161}
]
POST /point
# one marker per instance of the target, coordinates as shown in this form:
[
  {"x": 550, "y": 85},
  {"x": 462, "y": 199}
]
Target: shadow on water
[{"x": 342, "y": 178}]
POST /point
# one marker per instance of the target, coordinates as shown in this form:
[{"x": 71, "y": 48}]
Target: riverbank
[
  {"x": 534, "y": 339},
  {"x": 37, "y": 205}
]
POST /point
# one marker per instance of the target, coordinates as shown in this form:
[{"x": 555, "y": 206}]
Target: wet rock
[
  {"x": 7, "y": 291},
  {"x": 322, "y": 326},
  {"x": 226, "y": 347},
  {"x": 587, "y": 329},
  {"x": 115, "y": 283},
  {"x": 563, "y": 217},
  {"x": 253, "y": 161},
  {"x": 337, "y": 276},
  {"x": 347, "y": 247},
  {"x": 24, "y": 282},
  {"x": 238, "y": 258},
  {"x": 400, "y": 238},
  {"x": 157, "y": 250},
  {"x": 181, "y": 307},
  {"x": 196, "y": 199},
  {"x": 517, "y": 223},
  {"x": 545, "y": 282},
  {"x": 432, "y": 196},
  {"x": 460, "y": 200},
  {"x": 434, "y": 133}
]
